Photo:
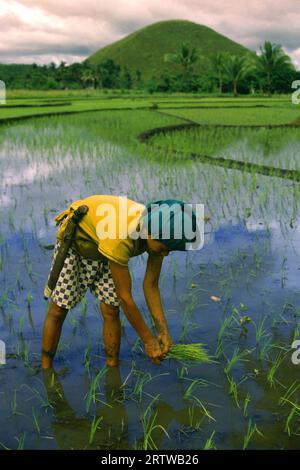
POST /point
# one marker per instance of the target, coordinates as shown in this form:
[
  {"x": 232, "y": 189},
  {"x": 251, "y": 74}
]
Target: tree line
[
  {"x": 270, "y": 71},
  {"x": 79, "y": 75}
]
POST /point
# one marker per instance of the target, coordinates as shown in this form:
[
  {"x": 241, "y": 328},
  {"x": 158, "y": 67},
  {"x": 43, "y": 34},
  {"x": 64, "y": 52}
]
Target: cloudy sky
[{"x": 53, "y": 30}]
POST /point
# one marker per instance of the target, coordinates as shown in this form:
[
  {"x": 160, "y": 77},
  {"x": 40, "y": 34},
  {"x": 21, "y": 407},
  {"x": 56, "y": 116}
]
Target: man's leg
[
  {"x": 51, "y": 333},
  {"x": 111, "y": 333}
]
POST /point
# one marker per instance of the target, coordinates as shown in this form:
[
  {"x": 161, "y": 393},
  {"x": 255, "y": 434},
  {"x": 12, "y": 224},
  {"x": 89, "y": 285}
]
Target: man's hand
[
  {"x": 153, "y": 350},
  {"x": 165, "y": 341}
]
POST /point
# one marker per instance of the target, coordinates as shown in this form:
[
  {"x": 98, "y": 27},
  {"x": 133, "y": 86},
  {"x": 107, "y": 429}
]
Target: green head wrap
[{"x": 172, "y": 222}]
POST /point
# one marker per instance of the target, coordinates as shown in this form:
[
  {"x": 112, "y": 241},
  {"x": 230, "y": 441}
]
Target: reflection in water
[{"x": 73, "y": 432}]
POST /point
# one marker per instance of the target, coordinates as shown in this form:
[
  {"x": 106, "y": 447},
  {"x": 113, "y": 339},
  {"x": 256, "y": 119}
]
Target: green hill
[{"x": 144, "y": 49}]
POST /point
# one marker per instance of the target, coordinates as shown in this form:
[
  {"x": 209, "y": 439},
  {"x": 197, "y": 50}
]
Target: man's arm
[
  {"x": 153, "y": 299},
  {"x": 122, "y": 280}
]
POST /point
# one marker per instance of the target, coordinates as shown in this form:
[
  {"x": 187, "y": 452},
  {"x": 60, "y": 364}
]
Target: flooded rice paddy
[{"x": 239, "y": 295}]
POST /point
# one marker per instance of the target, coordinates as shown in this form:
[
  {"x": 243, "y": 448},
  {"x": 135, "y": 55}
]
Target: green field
[{"x": 239, "y": 295}]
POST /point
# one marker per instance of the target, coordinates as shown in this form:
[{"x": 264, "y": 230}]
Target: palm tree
[
  {"x": 217, "y": 61},
  {"x": 236, "y": 69},
  {"x": 88, "y": 77},
  {"x": 271, "y": 61},
  {"x": 186, "y": 57}
]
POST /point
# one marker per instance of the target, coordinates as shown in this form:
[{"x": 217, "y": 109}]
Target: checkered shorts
[{"x": 77, "y": 275}]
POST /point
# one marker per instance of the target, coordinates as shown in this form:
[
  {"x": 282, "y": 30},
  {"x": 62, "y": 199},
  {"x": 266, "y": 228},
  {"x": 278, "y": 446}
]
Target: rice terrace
[{"x": 236, "y": 301}]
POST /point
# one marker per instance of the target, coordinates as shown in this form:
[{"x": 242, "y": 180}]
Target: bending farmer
[{"x": 109, "y": 231}]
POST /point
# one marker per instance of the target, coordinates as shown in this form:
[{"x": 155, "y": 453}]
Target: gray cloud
[
  {"x": 73, "y": 29},
  {"x": 59, "y": 49}
]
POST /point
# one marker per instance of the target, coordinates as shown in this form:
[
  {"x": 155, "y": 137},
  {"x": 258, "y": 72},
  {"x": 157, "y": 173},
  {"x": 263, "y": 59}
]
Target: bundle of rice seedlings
[{"x": 188, "y": 353}]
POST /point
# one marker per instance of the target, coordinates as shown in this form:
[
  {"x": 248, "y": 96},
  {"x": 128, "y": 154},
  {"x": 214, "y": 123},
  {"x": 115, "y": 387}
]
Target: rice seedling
[
  {"x": 36, "y": 421},
  {"x": 142, "y": 379},
  {"x": 14, "y": 405},
  {"x": 237, "y": 356},
  {"x": 260, "y": 330},
  {"x": 233, "y": 389},
  {"x": 265, "y": 348},
  {"x": 150, "y": 425},
  {"x": 194, "y": 383},
  {"x": 251, "y": 430},
  {"x": 294, "y": 411},
  {"x": 136, "y": 345},
  {"x": 185, "y": 325},
  {"x": 91, "y": 396},
  {"x": 128, "y": 376},
  {"x": 274, "y": 367},
  {"x": 195, "y": 425},
  {"x": 203, "y": 407},
  {"x": 188, "y": 353},
  {"x": 87, "y": 358},
  {"x": 21, "y": 324},
  {"x": 43, "y": 399},
  {"x": 290, "y": 392},
  {"x": 94, "y": 426},
  {"x": 209, "y": 444},
  {"x": 4, "y": 446},
  {"x": 24, "y": 353},
  {"x": 283, "y": 271},
  {"x": 182, "y": 372},
  {"x": 21, "y": 441},
  {"x": 29, "y": 298},
  {"x": 225, "y": 325},
  {"x": 246, "y": 403},
  {"x": 30, "y": 319}
]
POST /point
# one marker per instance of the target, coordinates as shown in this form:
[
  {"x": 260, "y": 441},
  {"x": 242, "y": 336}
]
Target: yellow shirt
[{"x": 105, "y": 230}]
